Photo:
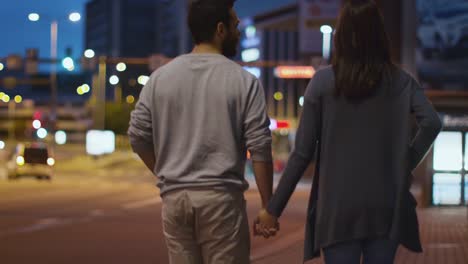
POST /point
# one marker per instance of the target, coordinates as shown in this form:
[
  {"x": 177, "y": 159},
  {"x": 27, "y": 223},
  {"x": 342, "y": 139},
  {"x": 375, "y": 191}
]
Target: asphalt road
[{"x": 82, "y": 218}]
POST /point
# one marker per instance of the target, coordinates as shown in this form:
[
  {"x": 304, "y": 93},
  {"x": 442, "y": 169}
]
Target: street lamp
[
  {"x": 89, "y": 53},
  {"x": 73, "y": 17},
  {"x": 114, "y": 80},
  {"x": 68, "y": 64},
  {"x": 327, "y": 33},
  {"x": 121, "y": 67},
  {"x": 33, "y": 17}
]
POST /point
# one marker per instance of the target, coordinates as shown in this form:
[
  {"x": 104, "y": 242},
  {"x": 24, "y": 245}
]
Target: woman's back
[
  {"x": 357, "y": 115},
  {"x": 363, "y": 150},
  {"x": 365, "y": 158}
]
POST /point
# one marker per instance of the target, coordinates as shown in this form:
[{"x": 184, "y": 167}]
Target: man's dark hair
[{"x": 204, "y": 16}]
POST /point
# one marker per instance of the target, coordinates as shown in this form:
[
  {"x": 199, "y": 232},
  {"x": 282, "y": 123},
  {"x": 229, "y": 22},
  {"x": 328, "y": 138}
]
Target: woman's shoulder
[
  {"x": 400, "y": 75},
  {"x": 323, "y": 81},
  {"x": 325, "y": 74}
]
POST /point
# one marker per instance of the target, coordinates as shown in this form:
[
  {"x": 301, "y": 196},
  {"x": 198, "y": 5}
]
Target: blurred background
[{"x": 71, "y": 191}]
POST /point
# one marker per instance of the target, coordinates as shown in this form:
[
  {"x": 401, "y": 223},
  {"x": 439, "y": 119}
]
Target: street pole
[
  {"x": 53, "y": 76},
  {"x": 100, "y": 110},
  {"x": 12, "y": 119},
  {"x": 118, "y": 94}
]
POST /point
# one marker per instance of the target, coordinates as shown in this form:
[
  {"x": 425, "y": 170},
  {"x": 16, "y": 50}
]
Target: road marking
[
  {"x": 51, "y": 222},
  {"x": 141, "y": 204},
  {"x": 41, "y": 225}
]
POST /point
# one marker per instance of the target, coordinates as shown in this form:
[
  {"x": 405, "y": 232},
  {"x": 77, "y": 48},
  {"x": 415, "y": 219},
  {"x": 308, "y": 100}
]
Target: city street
[
  {"x": 90, "y": 216},
  {"x": 373, "y": 88},
  {"x": 110, "y": 213}
]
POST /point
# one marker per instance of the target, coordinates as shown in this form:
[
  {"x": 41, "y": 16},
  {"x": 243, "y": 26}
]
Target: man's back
[{"x": 204, "y": 111}]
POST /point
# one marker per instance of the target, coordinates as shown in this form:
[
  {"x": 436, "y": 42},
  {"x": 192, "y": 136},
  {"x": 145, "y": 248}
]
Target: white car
[
  {"x": 31, "y": 160},
  {"x": 444, "y": 31}
]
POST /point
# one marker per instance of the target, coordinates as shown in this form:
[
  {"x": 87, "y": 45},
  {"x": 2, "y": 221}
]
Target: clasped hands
[{"x": 265, "y": 224}]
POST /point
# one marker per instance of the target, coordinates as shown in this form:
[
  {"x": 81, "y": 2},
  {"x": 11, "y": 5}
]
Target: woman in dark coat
[{"x": 356, "y": 120}]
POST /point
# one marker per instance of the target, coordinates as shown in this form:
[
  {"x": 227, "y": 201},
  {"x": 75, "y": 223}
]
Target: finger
[
  {"x": 272, "y": 232},
  {"x": 255, "y": 227},
  {"x": 265, "y": 232}
]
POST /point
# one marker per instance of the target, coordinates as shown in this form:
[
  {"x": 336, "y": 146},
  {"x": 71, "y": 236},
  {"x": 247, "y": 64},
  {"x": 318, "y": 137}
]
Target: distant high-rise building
[
  {"x": 121, "y": 28},
  {"x": 137, "y": 28},
  {"x": 172, "y": 33}
]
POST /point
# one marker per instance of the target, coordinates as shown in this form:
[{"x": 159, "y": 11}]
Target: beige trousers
[{"x": 206, "y": 227}]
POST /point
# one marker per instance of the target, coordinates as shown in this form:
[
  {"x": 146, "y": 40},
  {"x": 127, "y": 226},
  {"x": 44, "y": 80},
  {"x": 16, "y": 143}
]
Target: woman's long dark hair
[{"x": 362, "y": 52}]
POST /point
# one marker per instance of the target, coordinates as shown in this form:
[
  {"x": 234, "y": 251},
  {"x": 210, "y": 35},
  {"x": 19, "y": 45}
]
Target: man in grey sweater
[{"x": 194, "y": 122}]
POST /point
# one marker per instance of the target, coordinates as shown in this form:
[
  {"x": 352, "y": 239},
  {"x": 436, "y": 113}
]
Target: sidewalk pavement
[{"x": 444, "y": 234}]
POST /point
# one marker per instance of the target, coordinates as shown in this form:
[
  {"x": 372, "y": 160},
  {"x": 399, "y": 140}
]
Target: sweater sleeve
[{"x": 428, "y": 121}]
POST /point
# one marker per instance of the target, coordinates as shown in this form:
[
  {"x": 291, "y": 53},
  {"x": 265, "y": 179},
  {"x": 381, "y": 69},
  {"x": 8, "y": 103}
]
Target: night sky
[{"x": 18, "y": 33}]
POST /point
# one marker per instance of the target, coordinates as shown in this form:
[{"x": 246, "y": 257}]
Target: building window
[{"x": 450, "y": 174}]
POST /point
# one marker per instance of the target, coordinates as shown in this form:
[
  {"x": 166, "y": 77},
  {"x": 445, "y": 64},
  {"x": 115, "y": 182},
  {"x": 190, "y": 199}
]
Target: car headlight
[
  {"x": 50, "y": 161},
  {"x": 20, "y": 160}
]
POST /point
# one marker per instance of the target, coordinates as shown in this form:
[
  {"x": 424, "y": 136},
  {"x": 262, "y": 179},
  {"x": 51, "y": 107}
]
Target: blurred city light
[
  {"x": 250, "y": 42},
  {"x": 279, "y": 124},
  {"x": 41, "y": 133},
  {"x": 68, "y": 64},
  {"x": 257, "y": 72},
  {"x": 33, "y": 17},
  {"x": 2, "y": 144},
  {"x": 143, "y": 79},
  {"x": 326, "y": 46},
  {"x": 79, "y": 90},
  {"x": 282, "y": 124},
  {"x": 5, "y": 98},
  {"x": 74, "y": 17},
  {"x": 114, "y": 80},
  {"x": 37, "y": 124},
  {"x": 18, "y": 99},
  {"x": 130, "y": 99},
  {"x": 99, "y": 142},
  {"x": 37, "y": 115},
  {"x": 82, "y": 89},
  {"x": 250, "y": 31},
  {"x": 301, "y": 101},
  {"x": 20, "y": 160},
  {"x": 326, "y": 29},
  {"x": 121, "y": 67},
  {"x": 1, "y": 66},
  {"x": 89, "y": 53},
  {"x": 50, "y": 162},
  {"x": 294, "y": 72},
  {"x": 273, "y": 124},
  {"x": 250, "y": 55},
  {"x": 278, "y": 96},
  {"x": 85, "y": 88},
  {"x": 60, "y": 137}
]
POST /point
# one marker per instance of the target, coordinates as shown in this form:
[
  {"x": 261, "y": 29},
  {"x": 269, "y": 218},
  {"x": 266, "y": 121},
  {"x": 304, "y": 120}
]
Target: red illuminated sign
[
  {"x": 282, "y": 124},
  {"x": 294, "y": 72}
]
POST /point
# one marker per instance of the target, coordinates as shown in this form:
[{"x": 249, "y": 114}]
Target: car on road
[
  {"x": 444, "y": 31},
  {"x": 31, "y": 160}
]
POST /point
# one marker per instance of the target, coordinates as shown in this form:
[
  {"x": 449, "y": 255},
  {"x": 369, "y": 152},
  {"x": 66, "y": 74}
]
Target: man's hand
[{"x": 265, "y": 224}]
